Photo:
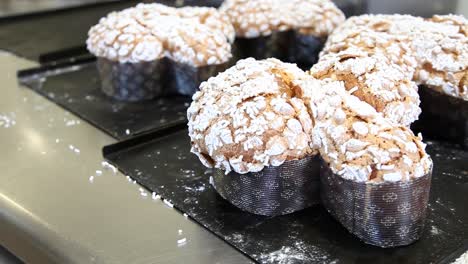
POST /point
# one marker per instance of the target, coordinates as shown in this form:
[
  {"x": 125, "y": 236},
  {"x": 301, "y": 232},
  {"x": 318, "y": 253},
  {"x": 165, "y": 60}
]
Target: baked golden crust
[
  {"x": 262, "y": 17},
  {"x": 375, "y": 80},
  {"x": 357, "y": 142},
  {"x": 250, "y": 116},
  {"x": 433, "y": 51},
  {"x": 197, "y": 36},
  {"x": 262, "y": 113}
]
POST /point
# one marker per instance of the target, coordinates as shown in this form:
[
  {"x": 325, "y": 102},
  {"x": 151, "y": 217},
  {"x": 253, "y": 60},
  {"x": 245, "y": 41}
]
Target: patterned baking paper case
[
  {"x": 280, "y": 190},
  {"x": 288, "y": 46},
  {"x": 387, "y": 214},
  {"x": 443, "y": 117},
  {"x": 147, "y": 80},
  {"x": 185, "y": 79},
  {"x": 132, "y": 81}
]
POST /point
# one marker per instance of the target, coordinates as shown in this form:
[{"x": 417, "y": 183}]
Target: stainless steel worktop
[{"x": 54, "y": 205}]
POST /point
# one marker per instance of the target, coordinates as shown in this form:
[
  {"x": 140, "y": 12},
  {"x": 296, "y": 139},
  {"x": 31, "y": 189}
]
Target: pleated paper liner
[
  {"x": 184, "y": 79},
  {"x": 443, "y": 117},
  {"x": 131, "y": 81},
  {"x": 387, "y": 214},
  {"x": 288, "y": 46},
  {"x": 147, "y": 80},
  {"x": 274, "y": 191}
]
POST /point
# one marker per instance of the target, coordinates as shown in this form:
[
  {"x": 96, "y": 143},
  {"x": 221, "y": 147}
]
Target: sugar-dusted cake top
[
  {"x": 196, "y": 36},
  {"x": 262, "y": 17},
  {"x": 434, "y": 50},
  {"x": 360, "y": 144},
  {"x": 374, "y": 79},
  {"x": 262, "y": 113},
  {"x": 250, "y": 116}
]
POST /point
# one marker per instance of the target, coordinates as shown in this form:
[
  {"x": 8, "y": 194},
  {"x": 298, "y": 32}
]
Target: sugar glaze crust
[
  {"x": 374, "y": 79},
  {"x": 250, "y": 116},
  {"x": 262, "y": 17},
  {"x": 197, "y": 36},
  {"x": 357, "y": 142},
  {"x": 433, "y": 51},
  {"x": 262, "y": 113}
]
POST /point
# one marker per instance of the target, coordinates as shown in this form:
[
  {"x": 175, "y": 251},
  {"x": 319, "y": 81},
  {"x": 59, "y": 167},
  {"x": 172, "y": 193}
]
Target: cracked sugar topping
[
  {"x": 197, "y": 36},
  {"x": 435, "y": 49},
  {"x": 262, "y": 17},
  {"x": 374, "y": 79},
  {"x": 250, "y": 116},
  {"x": 395, "y": 48},
  {"x": 262, "y": 113},
  {"x": 360, "y": 144}
]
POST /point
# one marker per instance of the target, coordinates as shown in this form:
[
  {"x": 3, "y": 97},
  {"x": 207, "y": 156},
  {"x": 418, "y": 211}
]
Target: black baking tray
[
  {"x": 161, "y": 161},
  {"x": 41, "y": 36},
  {"x": 76, "y": 87}
]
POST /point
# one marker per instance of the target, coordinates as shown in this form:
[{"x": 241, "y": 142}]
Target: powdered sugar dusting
[
  {"x": 433, "y": 51},
  {"x": 193, "y": 35},
  {"x": 299, "y": 253},
  {"x": 262, "y": 113},
  {"x": 376, "y": 80},
  {"x": 262, "y": 17},
  {"x": 365, "y": 146},
  {"x": 249, "y": 117}
]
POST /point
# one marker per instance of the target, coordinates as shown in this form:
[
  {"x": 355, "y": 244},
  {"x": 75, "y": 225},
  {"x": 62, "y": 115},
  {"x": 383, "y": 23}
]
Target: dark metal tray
[
  {"x": 161, "y": 162},
  {"x": 76, "y": 87}
]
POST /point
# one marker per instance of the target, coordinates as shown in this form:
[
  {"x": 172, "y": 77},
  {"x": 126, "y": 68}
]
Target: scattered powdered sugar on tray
[
  {"x": 435, "y": 230},
  {"x": 155, "y": 196},
  {"x": 235, "y": 238},
  {"x": 187, "y": 173},
  {"x": 169, "y": 204},
  {"x": 195, "y": 189},
  {"x": 300, "y": 253},
  {"x": 7, "y": 120}
]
